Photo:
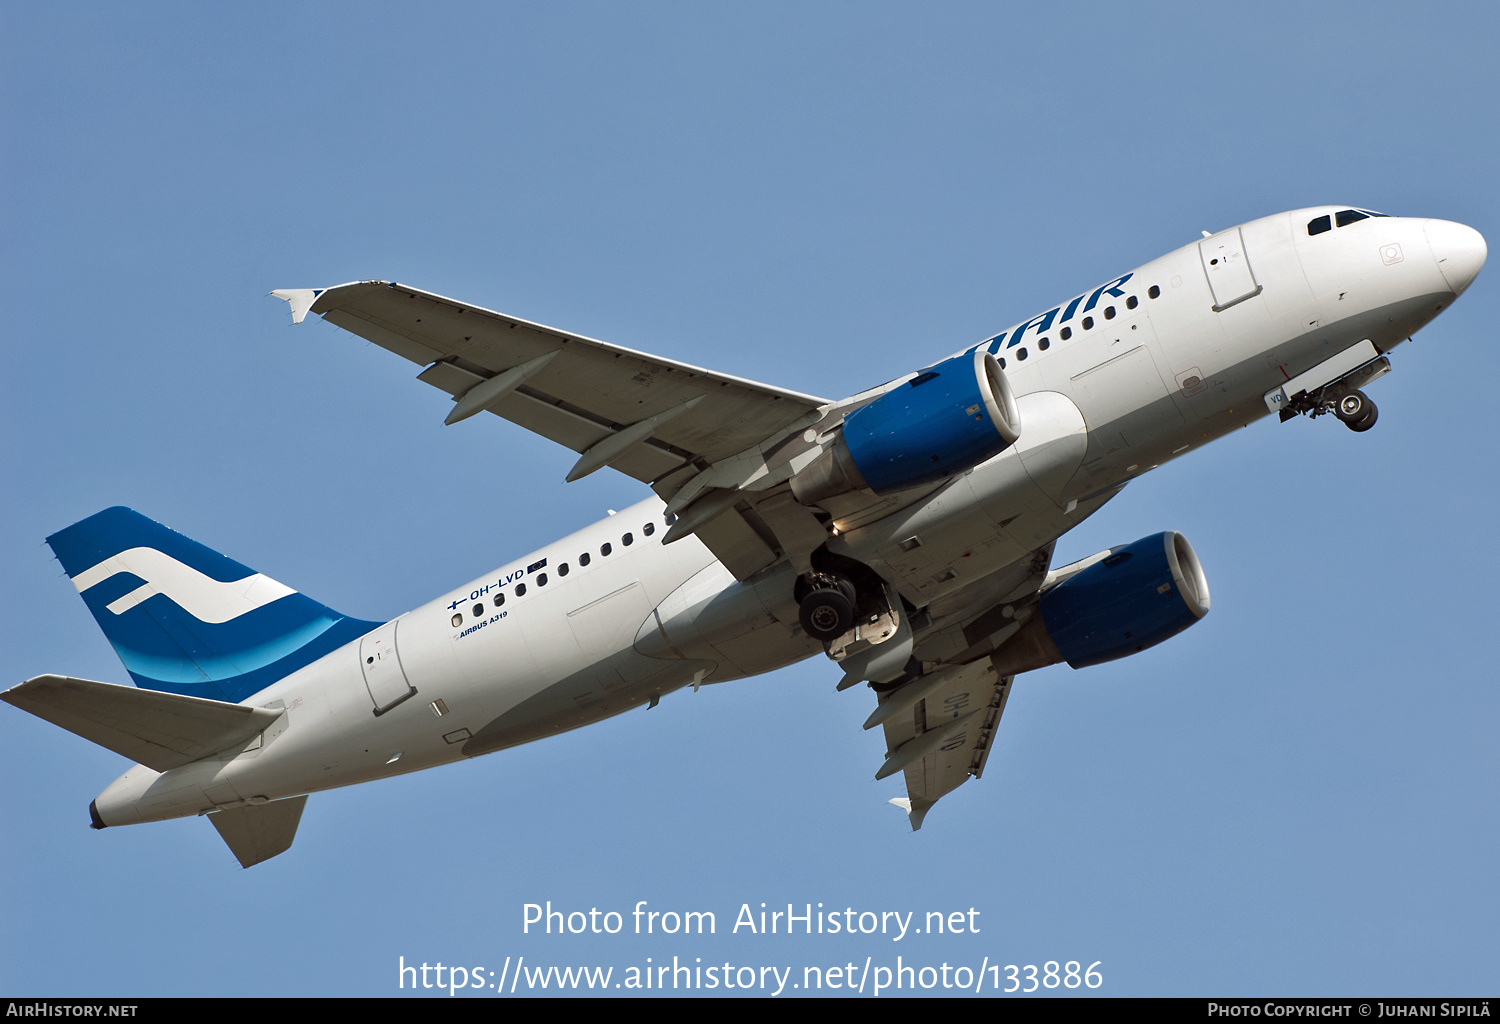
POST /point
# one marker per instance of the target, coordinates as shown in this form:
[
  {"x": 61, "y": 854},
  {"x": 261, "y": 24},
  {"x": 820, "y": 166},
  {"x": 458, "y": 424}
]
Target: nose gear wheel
[{"x": 1357, "y": 411}]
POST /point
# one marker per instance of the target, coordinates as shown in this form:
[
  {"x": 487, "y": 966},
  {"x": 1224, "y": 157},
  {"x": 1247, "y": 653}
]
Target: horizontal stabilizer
[
  {"x": 258, "y": 832},
  {"x": 156, "y": 729}
]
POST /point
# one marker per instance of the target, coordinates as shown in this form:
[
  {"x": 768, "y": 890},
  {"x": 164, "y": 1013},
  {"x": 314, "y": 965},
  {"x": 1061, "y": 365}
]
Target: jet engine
[
  {"x": 947, "y": 419},
  {"x": 1131, "y": 599}
]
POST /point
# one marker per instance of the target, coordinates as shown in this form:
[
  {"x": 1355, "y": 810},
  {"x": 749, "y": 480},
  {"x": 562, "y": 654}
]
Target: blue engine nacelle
[
  {"x": 946, "y": 419},
  {"x": 1133, "y": 598}
]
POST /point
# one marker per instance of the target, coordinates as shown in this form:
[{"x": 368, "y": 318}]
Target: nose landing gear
[
  {"x": 1354, "y": 408},
  {"x": 1341, "y": 397},
  {"x": 1357, "y": 411}
]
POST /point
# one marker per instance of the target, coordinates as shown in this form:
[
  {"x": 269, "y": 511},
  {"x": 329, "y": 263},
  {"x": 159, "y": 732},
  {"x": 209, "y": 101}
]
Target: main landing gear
[
  {"x": 827, "y": 610},
  {"x": 840, "y": 593}
]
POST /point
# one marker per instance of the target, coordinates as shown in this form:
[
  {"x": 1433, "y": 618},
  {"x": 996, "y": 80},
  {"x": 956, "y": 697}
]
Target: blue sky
[{"x": 1298, "y": 796}]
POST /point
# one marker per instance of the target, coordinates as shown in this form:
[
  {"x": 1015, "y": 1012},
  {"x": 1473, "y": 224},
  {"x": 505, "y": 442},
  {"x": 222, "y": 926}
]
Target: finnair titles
[{"x": 905, "y": 533}]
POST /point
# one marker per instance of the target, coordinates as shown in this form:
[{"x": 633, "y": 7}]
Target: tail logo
[{"x": 205, "y": 598}]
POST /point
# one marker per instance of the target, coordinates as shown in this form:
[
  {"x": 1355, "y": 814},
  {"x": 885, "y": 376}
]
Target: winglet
[
  {"x": 915, "y": 810},
  {"x": 300, "y": 299}
]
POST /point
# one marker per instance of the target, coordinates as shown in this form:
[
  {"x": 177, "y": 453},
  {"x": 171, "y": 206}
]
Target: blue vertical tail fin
[{"x": 185, "y": 619}]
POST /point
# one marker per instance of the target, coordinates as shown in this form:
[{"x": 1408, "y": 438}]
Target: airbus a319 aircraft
[{"x": 906, "y": 533}]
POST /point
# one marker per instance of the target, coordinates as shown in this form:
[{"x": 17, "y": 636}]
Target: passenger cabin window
[
  {"x": 585, "y": 558},
  {"x": 1132, "y": 302},
  {"x": 1088, "y": 323},
  {"x": 1067, "y": 332},
  {"x": 458, "y": 620},
  {"x": 1044, "y": 344},
  {"x": 627, "y": 540},
  {"x": 1318, "y": 225},
  {"x": 562, "y": 569},
  {"x": 499, "y": 599},
  {"x": 649, "y": 529},
  {"x": 605, "y": 549},
  {"x": 1109, "y": 312},
  {"x": 1021, "y": 354},
  {"x": 478, "y": 610},
  {"x": 520, "y": 590},
  {"x": 541, "y": 579},
  {"x": 1153, "y": 292},
  {"x": 1346, "y": 217}
]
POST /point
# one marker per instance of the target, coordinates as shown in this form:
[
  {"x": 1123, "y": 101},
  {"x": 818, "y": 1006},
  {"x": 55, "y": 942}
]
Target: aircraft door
[
  {"x": 384, "y": 677},
  {"x": 1228, "y": 268}
]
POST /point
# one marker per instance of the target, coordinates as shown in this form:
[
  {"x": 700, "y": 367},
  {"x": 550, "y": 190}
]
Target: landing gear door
[
  {"x": 384, "y": 677},
  {"x": 1228, "y": 269}
]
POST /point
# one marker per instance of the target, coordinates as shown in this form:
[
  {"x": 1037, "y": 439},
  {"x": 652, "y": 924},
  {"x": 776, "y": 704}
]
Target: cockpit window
[
  {"x": 1372, "y": 213},
  {"x": 1318, "y": 225},
  {"x": 1346, "y": 217}
]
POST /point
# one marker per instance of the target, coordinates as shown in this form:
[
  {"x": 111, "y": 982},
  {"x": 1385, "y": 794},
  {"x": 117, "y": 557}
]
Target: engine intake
[
  {"x": 1133, "y": 598},
  {"x": 945, "y": 420}
]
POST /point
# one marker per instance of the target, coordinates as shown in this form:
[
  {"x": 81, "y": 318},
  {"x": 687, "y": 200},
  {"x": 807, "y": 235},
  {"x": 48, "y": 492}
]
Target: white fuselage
[{"x": 1146, "y": 380}]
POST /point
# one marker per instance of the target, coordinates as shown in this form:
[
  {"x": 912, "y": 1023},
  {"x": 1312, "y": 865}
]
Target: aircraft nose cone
[{"x": 1459, "y": 251}]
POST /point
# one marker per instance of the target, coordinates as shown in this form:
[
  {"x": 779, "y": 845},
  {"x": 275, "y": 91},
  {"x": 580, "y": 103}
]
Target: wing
[
  {"x": 939, "y": 730},
  {"x": 586, "y": 391},
  {"x": 663, "y": 422},
  {"x": 940, "y": 726}
]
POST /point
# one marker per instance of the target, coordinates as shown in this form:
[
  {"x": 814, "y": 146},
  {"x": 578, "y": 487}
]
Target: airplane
[{"x": 906, "y": 533}]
